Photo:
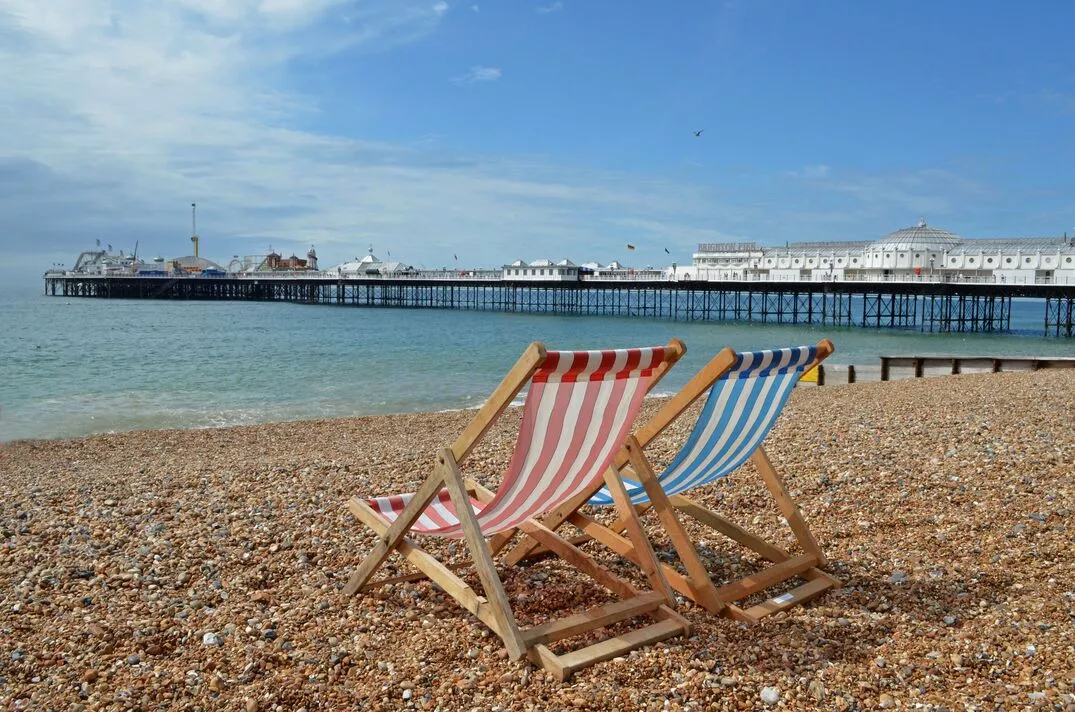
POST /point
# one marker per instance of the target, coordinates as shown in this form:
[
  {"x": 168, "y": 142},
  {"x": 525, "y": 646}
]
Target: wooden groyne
[
  {"x": 926, "y": 306},
  {"x": 936, "y": 365},
  {"x": 899, "y": 367}
]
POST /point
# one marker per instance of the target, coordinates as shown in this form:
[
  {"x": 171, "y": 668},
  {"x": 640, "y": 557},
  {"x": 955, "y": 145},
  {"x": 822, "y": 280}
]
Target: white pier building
[{"x": 918, "y": 253}]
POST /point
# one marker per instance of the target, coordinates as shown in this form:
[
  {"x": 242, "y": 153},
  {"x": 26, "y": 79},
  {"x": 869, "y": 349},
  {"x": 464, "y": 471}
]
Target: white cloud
[
  {"x": 118, "y": 114},
  {"x": 816, "y": 171},
  {"x": 474, "y": 8},
  {"x": 554, "y": 7},
  {"x": 440, "y": 8},
  {"x": 478, "y": 74}
]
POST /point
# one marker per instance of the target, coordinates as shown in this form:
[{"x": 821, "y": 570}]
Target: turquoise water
[{"x": 73, "y": 367}]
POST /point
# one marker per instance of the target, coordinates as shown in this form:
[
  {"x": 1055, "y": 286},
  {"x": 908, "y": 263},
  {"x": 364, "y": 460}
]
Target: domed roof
[{"x": 918, "y": 237}]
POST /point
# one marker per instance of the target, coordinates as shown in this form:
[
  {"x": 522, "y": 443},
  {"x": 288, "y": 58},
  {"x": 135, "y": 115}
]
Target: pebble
[
  {"x": 770, "y": 695},
  {"x": 185, "y": 550},
  {"x": 212, "y": 639}
]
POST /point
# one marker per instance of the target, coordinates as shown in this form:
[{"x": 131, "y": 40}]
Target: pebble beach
[{"x": 202, "y": 569}]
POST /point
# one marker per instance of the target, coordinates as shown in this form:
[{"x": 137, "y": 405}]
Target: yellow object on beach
[{"x": 810, "y": 376}]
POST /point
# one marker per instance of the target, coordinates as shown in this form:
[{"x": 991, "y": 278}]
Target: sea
[{"x": 72, "y": 367}]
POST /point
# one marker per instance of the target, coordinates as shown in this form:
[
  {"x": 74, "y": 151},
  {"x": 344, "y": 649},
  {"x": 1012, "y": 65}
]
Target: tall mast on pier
[{"x": 194, "y": 226}]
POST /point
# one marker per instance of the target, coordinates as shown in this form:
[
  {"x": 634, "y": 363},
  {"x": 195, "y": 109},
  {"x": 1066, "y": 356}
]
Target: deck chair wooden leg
[
  {"x": 436, "y": 571},
  {"x": 728, "y": 528},
  {"x": 643, "y": 550},
  {"x": 702, "y": 590},
  {"x": 619, "y": 524},
  {"x": 787, "y": 505},
  {"x": 627, "y": 475},
  {"x": 669, "y": 623},
  {"x": 483, "y": 495},
  {"x": 617, "y": 528},
  {"x": 624, "y": 547},
  {"x": 508, "y": 630},
  {"x": 396, "y": 531}
]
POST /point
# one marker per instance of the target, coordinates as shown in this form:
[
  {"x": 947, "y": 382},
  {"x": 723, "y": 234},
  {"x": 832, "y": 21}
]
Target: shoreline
[
  {"x": 836, "y": 374},
  {"x": 944, "y": 504}
]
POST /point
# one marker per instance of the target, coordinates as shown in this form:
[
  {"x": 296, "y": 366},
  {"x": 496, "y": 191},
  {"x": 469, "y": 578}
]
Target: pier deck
[{"x": 926, "y": 306}]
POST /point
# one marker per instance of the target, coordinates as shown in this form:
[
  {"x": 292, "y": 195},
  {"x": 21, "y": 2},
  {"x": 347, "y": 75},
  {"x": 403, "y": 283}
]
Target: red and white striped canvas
[{"x": 578, "y": 411}]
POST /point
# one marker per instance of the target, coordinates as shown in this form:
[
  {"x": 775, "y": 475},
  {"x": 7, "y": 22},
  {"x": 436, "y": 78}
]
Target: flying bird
[
  {"x": 698, "y": 132},
  {"x": 666, "y": 251}
]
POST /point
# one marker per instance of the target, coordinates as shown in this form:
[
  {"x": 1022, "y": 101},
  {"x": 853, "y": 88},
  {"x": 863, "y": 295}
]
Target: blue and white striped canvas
[{"x": 742, "y": 408}]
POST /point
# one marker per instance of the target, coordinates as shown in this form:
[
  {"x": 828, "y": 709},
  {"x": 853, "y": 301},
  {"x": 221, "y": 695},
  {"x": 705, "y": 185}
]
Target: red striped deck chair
[
  {"x": 747, "y": 392},
  {"x": 579, "y": 408}
]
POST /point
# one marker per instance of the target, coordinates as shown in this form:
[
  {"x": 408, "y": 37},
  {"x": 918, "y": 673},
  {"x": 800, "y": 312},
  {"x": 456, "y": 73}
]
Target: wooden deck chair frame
[
  {"x": 493, "y": 608},
  {"x": 697, "y": 584}
]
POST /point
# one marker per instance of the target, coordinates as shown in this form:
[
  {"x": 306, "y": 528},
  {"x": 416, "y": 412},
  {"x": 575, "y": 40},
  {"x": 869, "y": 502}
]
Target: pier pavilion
[{"x": 917, "y": 253}]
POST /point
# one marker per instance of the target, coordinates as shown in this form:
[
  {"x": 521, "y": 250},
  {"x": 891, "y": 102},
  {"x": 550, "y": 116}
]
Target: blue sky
[{"x": 505, "y": 130}]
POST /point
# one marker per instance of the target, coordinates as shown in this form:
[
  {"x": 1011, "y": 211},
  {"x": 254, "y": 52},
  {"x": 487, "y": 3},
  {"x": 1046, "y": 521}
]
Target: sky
[{"x": 477, "y": 133}]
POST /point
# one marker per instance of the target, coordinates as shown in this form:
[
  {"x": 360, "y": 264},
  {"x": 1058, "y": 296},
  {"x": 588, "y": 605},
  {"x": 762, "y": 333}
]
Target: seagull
[{"x": 698, "y": 133}]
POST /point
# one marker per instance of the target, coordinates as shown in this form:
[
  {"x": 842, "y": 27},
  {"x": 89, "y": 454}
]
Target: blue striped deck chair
[{"x": 747, "y": 392}]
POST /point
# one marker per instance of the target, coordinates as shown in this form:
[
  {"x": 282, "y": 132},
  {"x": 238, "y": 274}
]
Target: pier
[{"x": 928, "y": 306}]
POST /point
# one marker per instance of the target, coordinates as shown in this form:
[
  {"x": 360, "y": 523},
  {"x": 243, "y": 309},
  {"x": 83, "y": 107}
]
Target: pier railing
[{"x": 644, "y": 276}]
